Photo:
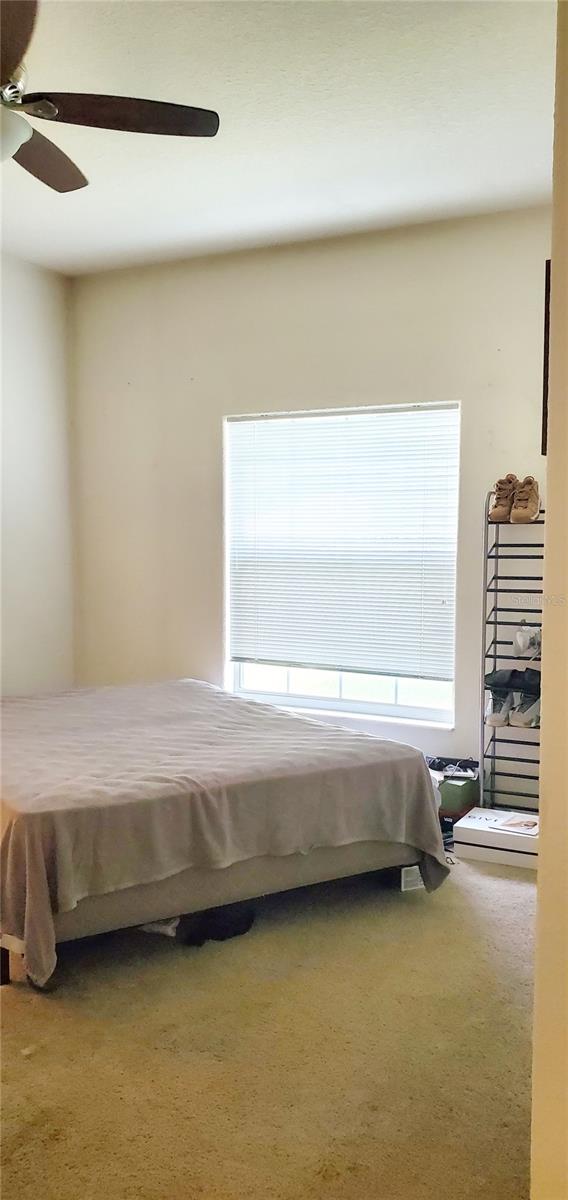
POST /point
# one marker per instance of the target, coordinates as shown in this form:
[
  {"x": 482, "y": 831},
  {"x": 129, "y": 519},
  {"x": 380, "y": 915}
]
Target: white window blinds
[{"x": 341, "y": 540}]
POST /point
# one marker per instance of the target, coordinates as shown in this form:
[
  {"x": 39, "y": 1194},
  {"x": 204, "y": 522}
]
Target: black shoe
[
  {"x": 530, "y": 685},
  {"x": 527, "y": 680},
  {"x": 504, "y": 680},
  {"x": 215, "y": 924}
]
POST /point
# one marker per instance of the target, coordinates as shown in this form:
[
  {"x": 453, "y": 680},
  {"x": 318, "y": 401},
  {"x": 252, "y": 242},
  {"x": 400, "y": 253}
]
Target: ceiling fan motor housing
[{"x": 13, "y": 90}]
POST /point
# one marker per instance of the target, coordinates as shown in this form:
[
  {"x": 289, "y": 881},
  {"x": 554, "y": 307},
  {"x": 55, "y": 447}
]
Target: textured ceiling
[{"x": 334, "y": 117}]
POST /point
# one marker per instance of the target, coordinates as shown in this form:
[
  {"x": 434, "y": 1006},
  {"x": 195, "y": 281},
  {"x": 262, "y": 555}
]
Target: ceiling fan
[{"x": 36, "y": 153}]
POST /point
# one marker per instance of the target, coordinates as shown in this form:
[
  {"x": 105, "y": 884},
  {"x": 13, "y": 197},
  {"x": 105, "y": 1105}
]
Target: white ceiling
[{"x": 335, "y": 116}]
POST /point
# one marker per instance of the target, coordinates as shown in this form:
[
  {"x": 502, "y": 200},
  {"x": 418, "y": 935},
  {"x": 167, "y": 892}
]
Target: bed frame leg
[{"x": 4, "y": 965}]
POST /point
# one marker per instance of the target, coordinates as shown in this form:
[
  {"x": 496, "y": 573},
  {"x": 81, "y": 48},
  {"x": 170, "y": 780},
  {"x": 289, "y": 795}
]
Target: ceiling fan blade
[
  {"x": 123, "y": 112},
  {"x": 17, "y": 22},
  {"x": 48, "y": 163}
]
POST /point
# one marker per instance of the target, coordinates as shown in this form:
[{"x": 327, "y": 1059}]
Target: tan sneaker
[
  {"x": 526, "y": 503},
  {"x": 504, "y": 496}
]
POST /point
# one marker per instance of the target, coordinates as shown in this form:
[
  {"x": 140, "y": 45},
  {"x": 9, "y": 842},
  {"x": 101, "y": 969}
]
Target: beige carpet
[{"x": 357, "y": 1044}]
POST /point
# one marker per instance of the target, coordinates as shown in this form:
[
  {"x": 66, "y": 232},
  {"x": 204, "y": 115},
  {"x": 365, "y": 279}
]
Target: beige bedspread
[{"x": 106, "y": 788}]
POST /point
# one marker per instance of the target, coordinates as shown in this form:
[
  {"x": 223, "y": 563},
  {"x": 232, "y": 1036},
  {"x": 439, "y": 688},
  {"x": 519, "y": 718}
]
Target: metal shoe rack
[{"x": 513, "y": 557}]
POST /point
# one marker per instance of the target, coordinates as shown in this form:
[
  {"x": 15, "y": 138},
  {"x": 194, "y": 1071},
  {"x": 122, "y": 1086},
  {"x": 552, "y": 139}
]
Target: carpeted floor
[{"x": 357, "y": 1044}]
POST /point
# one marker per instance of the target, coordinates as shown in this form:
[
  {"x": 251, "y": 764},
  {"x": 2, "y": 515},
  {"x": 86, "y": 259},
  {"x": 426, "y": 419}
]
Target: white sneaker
[
  {"x": 527, "y": 641},
  {"x": 499, "y": 707},
  {"x": 527, "y": 712}
]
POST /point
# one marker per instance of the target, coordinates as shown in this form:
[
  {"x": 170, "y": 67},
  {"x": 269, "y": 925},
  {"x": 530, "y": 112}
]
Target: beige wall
[
  {"x": 450, "y": 311},
  {"x": 37, "y": 609},
  {"x": 550, "y": 1076}
]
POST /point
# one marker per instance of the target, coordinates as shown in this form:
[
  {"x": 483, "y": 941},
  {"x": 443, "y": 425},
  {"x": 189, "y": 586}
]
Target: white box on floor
[{"x": 497, "y": 835}]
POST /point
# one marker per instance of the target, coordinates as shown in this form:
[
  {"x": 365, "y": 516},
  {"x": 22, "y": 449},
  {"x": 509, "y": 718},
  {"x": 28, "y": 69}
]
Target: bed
[{"x": 124, "y": 805}]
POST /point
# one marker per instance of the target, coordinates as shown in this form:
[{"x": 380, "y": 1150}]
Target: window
[{"x": 341, "y": 536}]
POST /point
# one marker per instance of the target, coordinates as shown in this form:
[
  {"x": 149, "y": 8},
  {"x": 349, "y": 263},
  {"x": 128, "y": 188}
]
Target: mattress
[{"x": 105, "y": 789}]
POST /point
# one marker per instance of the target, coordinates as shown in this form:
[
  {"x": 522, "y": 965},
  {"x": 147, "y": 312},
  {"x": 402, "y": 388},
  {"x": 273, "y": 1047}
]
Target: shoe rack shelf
[{"x": 513, "y": 559}]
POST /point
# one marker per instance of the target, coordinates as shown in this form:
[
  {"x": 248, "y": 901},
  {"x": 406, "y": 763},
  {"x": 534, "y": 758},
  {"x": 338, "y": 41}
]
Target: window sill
[{"x": 367, "y": 718}]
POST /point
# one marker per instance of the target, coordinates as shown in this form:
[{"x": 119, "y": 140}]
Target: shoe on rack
[
  {"x": 504, "y": 497},
  {"x": 526, "y": 713},
  {"x": 510, "y": 680},
  {"x": 527, "y": 640},
  {"x": 526, "y": 501},
  {"x": 527, "y": 682},
  {"x": 499, "y": 707}
]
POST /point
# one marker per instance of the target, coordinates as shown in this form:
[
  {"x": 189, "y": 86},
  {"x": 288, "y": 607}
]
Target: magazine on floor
[
  {"x": 503, "y": 821},
  {"x": 516, "y": 823}
]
